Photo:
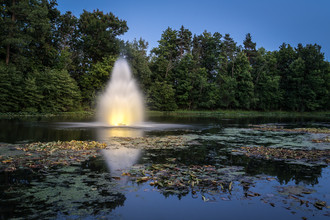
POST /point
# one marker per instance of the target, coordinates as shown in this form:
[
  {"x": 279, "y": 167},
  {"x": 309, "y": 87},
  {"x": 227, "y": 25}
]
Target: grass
[
  {"x": 46, "y": 115},
  {"x": 240, "y": 113},
  {"x": 181, "y": 113}
]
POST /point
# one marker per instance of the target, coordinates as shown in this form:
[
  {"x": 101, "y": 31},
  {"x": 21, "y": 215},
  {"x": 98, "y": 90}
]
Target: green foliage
[
  {"x": 161, "y": 97},
  {"x": 227, "y": 90},
  {"x": 41, "y": 49},
  {"x": 60, "y": 92},
  {"x": 267, "y": 91},
  {"x": 48, "y": 91},
  {"x": 10, "y": 89},
  {"x": 136, "y": 54},
  {"x": 244, "y": 87},
  {"x": 98, "y": 32},
  {"x": 32, "y": 95},
  {"x": 94, "y": 80}
]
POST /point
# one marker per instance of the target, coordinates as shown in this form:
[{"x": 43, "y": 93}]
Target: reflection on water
[
  {"x": 91, "y": 191},
  {"x": 105, "y": 134},
  {"x": 120, "y": 159}
]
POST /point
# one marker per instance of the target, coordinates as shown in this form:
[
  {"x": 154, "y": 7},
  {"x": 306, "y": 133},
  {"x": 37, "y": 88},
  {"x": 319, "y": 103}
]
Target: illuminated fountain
[
  {"x": 121, "y": 107},
  {"x": 122, "y": 103}
]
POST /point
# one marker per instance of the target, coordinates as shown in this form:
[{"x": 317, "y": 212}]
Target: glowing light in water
[{"x": 122, "y": 103}]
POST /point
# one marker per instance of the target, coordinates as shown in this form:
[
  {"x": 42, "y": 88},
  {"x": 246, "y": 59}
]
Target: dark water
[{"x": 88, "y": 191}]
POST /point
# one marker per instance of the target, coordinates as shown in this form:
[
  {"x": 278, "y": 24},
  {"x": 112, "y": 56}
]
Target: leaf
[
  {"x": 7, "y": 161},
  {"x": 230, "y": 186},
  {"x": 320, "y": 204},
  {"x": 204, "y": 199}
]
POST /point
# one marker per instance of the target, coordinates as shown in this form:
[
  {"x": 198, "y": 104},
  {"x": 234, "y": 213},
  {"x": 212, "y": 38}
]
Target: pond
[{"x": 172, "y": 167}]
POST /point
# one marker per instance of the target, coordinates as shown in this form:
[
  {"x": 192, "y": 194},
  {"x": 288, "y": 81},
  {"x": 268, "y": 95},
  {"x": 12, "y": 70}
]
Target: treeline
[{"x": 50, "y": 62}]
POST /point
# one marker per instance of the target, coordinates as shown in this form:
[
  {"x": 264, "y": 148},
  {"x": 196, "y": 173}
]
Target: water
[
  {"x": 122, "y": 102},
  {"x": 92, "y": 190}
]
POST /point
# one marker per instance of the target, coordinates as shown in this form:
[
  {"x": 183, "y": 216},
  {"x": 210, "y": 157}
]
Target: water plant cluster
[
  {"x": 57, "y": 173},
  {"x": 43, "y": 156},
  {"x": 269, "y": 153}
]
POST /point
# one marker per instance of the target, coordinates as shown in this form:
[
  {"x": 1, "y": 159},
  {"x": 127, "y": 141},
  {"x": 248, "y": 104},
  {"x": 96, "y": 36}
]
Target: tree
[
  {"x": 10, "y": 88},
  {"x": 206, "y": 51},
  {"x": 227, "y": 90},
  {"x": 60, "y": 92},
  {"x": 313, "y": 85},
  {"x": 244, "y": 90},
  {"x": 161, "y": 97},
  {"x": 227, "y": 56},
  {"x": 165, "y": 56},
  {"x": 26, "y": 34},
  {"x": 136, "y": 53},
  {"x": 184, "y": 41},
  {"x": 250, "y": 48},
  {"x": 32, "y": 95},
  {"x": 266, "y": 81},
  {"x": 182, "y": 83},
  {"x": 285, "y": 56},
  {"x": 98, "y": 33},
  {"x": 94, "y": 81}
]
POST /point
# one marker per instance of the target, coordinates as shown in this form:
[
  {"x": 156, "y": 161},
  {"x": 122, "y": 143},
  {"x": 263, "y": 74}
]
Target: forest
[{"x": 52, "y": 61}]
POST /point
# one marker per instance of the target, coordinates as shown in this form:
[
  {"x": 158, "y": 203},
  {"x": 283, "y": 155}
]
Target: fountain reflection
[
  {"x": 105, "y": 134},
  {"x": 119, "y": 158}
]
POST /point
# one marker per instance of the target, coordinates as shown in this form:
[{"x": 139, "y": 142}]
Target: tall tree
[
  {"x": 166, "y": 55},
  {"x": 26, "y": 33},
  {"x": 266, "y": 81},
  {"x": 206, "y": 50},
  {"x": 313, "y": 85},
  {"x": 244, "y": 90},
  {"x": 250, "y": 48},
  {"x": 284, "y": 57},
  {"x": 98, "y": 35},
  {"x": 184, "y": 41},
  {"x": 136, "y": 53},
  {"x": 227, "y": 56}
]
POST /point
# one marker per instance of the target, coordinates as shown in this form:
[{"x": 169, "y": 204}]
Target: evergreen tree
[
  {"x": 285, "y": 56},
  {"x": 60, "y": 92},
  {"x": 95, "y": 80},
  {"x": 136, "y": 54},
  {"x": 184, "y": 41},
  {"x": 250, "y": 48},
  {"x": 32, "y": 95},
  {"x": 165, "y": 56},
  {"x": 206, "y": 50},
  {"x": 11, "y": 92},
  {"x": 313, "y": 87},
  {"x": 183, "y": 84},
  {"x": 266, "y": 81},
  {"x": 244, "y": 87},
  {"x": 161, "y": 97},
  {"x": 227, "y": 56}
]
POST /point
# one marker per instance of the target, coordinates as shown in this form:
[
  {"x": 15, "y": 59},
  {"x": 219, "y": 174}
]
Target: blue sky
[{"x": 270, "y": 22}]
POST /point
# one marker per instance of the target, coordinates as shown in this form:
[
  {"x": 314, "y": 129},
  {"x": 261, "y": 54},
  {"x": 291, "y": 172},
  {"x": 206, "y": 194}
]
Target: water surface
[{"x": 93, "y": 189}]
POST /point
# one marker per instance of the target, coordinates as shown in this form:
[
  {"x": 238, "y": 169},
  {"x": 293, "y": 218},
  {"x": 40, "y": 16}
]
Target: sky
[{"x": 270, "y": 22}]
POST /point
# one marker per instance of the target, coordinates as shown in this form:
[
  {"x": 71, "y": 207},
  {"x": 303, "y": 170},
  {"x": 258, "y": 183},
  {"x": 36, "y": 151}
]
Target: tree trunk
[
  {"x": 7, "y": 55},
  {"x": 13, "y": 18}
]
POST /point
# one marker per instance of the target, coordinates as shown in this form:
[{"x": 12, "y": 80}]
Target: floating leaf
[
  {"x": 320, "y": 204},
  {"x": 205, "y": 199}
]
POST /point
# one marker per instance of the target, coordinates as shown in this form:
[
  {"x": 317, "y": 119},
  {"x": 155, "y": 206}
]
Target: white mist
[{"x": 122, "y": 103}]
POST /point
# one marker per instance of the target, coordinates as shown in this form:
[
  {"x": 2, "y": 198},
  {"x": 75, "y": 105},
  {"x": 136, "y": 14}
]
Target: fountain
[
  {"x": 121, "y": 106},
  {"x": 122, "y": 103}
]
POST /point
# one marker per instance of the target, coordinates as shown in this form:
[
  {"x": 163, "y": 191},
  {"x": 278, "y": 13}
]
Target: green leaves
[{"x": 98, "y": 33}]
